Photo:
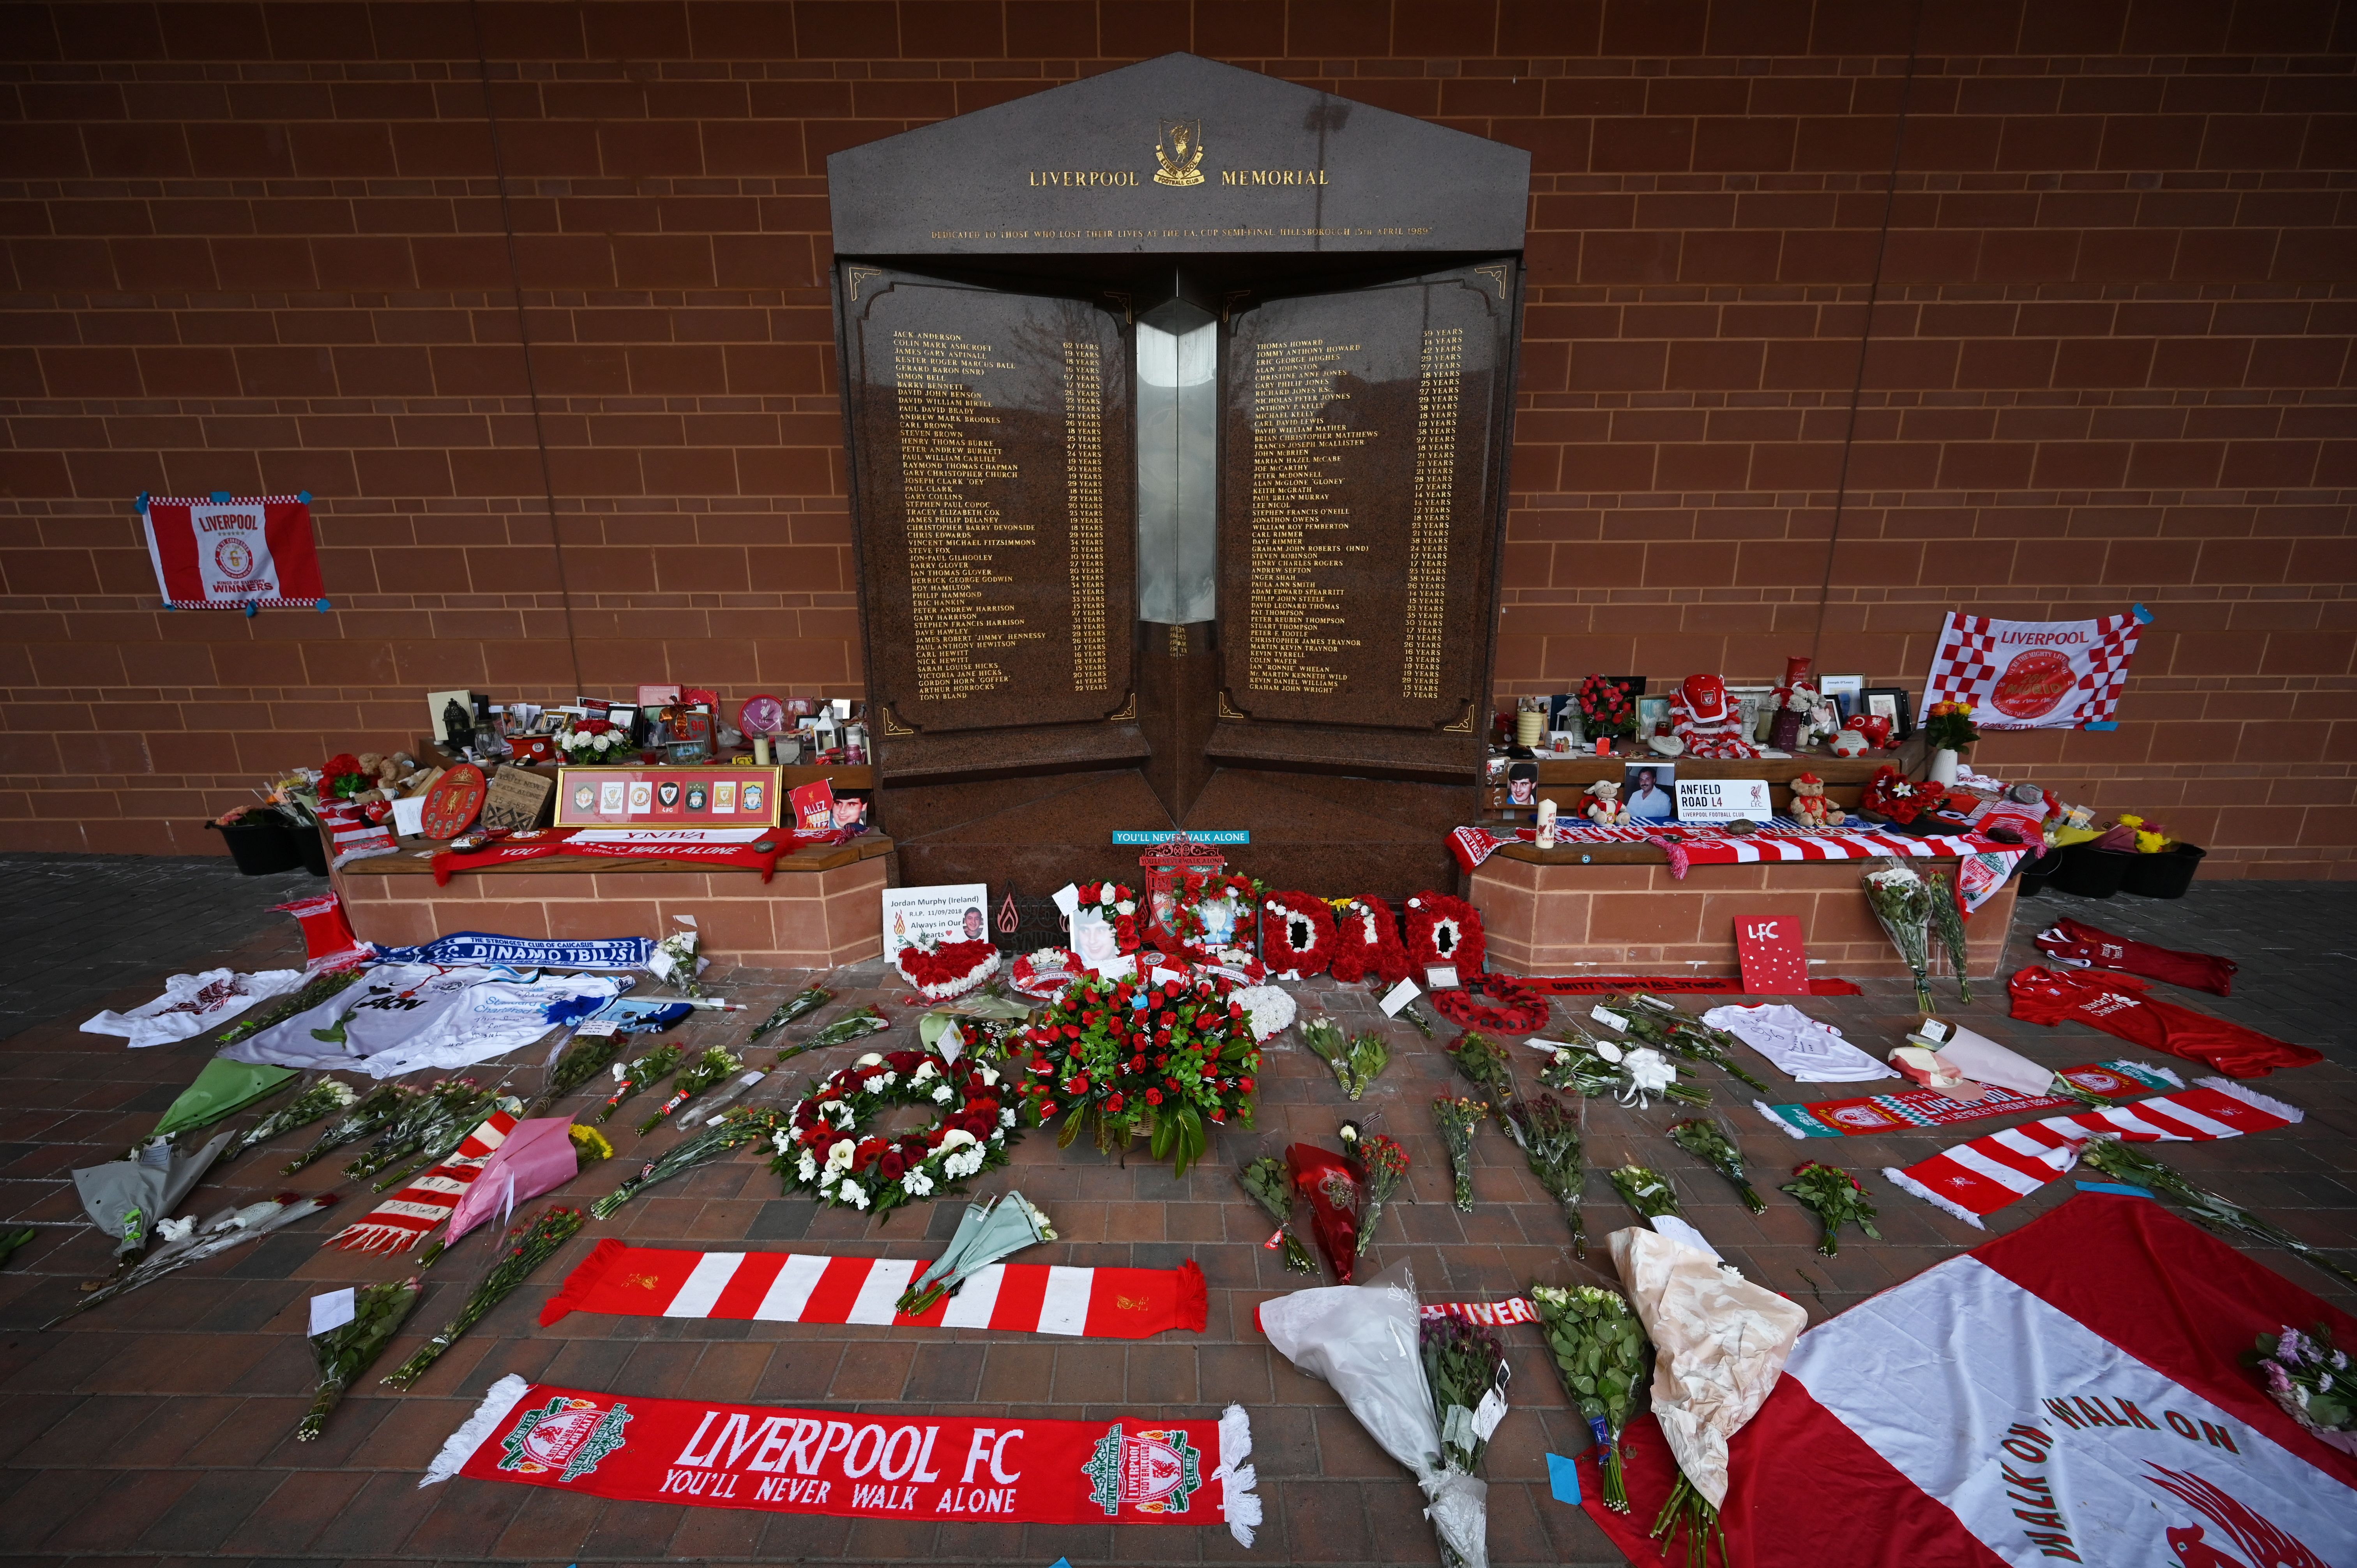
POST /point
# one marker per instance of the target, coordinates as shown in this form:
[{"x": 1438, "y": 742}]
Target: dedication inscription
[
  {"x": 992, "y": 450},
  {"x": 1363, "y": 431}
]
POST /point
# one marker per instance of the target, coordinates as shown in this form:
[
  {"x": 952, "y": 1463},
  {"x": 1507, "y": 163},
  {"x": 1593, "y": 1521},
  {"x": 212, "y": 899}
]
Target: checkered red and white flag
[{"x": 2033, "y": 674}]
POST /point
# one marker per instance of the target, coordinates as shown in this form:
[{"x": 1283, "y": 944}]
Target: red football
[{"x": 2033, "y": 684}]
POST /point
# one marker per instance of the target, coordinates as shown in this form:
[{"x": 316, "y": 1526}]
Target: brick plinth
[
  {"x": 813, "y": 919},
  {"x": 1639, "y": 919}
]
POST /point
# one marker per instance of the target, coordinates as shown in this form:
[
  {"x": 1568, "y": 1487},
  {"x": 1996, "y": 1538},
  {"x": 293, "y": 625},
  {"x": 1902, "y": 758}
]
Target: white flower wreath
[{"x": 824, "y": 1152}]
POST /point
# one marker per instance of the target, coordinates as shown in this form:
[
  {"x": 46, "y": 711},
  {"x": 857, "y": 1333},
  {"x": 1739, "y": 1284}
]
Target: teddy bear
[
  {"x": 1707, "y": 720},
  {"x": 1810, "y": 807},
  {"x": 1604, "y": 808}
]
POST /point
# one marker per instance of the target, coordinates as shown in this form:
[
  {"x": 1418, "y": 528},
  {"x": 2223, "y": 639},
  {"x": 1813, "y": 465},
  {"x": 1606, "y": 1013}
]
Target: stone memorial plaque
[
  {"x": 995, "y": 469},
  {"x": 1363, "y": 439}
]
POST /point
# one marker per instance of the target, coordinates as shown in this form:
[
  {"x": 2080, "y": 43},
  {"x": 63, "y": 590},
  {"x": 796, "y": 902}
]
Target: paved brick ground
[{"x": 158, "y": 1427}]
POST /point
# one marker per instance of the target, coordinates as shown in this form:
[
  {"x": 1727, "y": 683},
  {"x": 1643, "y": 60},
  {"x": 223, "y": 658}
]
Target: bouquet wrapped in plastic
[
  {"x": 1632, "y": 1076},
  {"x": 1901, "y": 900},
  {"x": 1599, "y": 1353},
  {"x": 346, "y": 1351},
  {"x": 1666, "y": 1026},
  {"x": 530, "y": 1244},
  {"x": 806, "y": 1001},
  {"x": 322, "y": 1097},
  {"x": 1366, "y": 1342},
  {"x": 1458, "y": 1119},
  {"x": 1271, "y": 1187},
  {"x": 1337, "y": 1203},
  {"x": 372, "y": 1114}
]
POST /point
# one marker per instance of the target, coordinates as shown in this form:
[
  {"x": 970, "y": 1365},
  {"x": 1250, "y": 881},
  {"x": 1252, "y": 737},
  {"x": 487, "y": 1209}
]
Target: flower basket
[
  {"x": 2165, "y": 874},
  {"x": 1174, "y": 1061}
]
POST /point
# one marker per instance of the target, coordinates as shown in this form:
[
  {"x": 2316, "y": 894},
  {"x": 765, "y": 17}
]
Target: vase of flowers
[
  {"x": 1606, "y": 707},
  {"x": 594, "y": 740},
  {"x": 1947, "y": 730}
]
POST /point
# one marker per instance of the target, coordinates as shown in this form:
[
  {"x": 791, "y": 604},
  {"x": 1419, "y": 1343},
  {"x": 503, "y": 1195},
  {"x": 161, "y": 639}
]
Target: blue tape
[
  {"x": 2120, "y": 1187},
  {"x": 221, "y": 498},
  {"x": 2101, "y": 724},
  {"x": 2141, "y": 614},
  {"x": 1564, "y": 1476}
]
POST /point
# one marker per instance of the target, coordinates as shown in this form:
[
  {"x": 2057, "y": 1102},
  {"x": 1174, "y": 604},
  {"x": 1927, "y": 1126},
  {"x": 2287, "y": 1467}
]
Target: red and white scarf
[
  {"x": 806, "y": 1287},
  {"x": 403, "y": 1220},
  {"x": 1973, "y": 1180}
]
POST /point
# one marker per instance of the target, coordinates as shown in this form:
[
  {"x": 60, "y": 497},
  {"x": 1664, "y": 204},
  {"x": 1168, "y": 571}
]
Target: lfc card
[{"x": 1775, "y": 962}]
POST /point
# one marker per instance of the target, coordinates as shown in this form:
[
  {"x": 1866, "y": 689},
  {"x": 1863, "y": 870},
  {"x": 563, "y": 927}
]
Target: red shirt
[
  {"x": 2081, "y": 946},
  {"x": 2116, "y": 1005}
]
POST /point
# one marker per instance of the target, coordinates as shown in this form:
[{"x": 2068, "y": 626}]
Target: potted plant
[{"x": 1947, "y": 730}]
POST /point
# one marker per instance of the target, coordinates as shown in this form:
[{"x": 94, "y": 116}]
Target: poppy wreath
[
  {"x": 1297, "y": 936},
  {"x": 1195, "y": 888},
  {"x": 1118, "y": 905},
  {"x": 1442, "y": 929},
  {"x": 1176, "y": 1060},
  {"x": 1493, "y": 1005},
  {"x": 1367, "y": 943},
  {"x": 947, "y": 968},
  {"x": 1889, "y": 794},
  {"x": 823, "y": 1151}
]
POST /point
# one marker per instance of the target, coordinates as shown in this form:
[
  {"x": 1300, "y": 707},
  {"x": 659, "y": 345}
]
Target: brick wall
[{"x": 263, "y": 247}]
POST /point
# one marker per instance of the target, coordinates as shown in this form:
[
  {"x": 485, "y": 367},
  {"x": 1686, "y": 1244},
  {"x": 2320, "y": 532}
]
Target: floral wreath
[
  {"x": 1194, "y": 888},
  {"x": 824, "y": 1152},
  {"x": 1442, "y": 929},
  {"x": 1889, "y": 794},
  {"x": 1298, "y": 941},
  {"x": 1118, "y": 905},
  {"x": 1367, "y": 944},
  {"x": 943, "y": 969},
  {"x": 1045, "y": 974},
  {"x": 1493, "y": 1004},
  {"x": 1174, "y": 1058}
]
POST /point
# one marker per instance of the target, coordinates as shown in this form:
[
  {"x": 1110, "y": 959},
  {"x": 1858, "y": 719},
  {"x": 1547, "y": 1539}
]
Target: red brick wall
[{"x": 262, "y": 247}]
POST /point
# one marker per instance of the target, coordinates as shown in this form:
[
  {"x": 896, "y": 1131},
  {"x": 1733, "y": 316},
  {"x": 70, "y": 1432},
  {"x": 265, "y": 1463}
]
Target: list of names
[
  {"x": 1437, "y": 382},
  {"x": 1084, "y": 507},
  {"x": 1300, "y": 526}
]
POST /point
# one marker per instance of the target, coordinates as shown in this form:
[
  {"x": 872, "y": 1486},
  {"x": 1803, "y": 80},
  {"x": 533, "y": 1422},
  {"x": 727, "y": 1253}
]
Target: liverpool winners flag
[
  {"x": 233, "y": 554},
  {"x": 2072, "y": 1392}
]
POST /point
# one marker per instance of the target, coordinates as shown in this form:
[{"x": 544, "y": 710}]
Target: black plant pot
[
  {"x": 310, "y": 849},
  {"x": 2165, "y": 874},
  {"x": 2037, "y": 870},
  {"x": 260, "y": 848},
  {"x": 2092, "y": 872}
]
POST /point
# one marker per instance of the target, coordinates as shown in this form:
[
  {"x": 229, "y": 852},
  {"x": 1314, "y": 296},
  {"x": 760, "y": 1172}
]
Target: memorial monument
[{"x": 1179, "y": 401}]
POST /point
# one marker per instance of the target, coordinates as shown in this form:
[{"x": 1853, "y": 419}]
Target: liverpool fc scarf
[
  {"x": 1698, "y": 984},
  {"x": 1912, "y": 1107},
  {"x": 402, "y": 1219},
  {"x": 936, "y": 1469},
  {"x": 539, "y": 842},
  {"x": 1973, "y": 1180},
  {"x": 801, "y": 1287}
]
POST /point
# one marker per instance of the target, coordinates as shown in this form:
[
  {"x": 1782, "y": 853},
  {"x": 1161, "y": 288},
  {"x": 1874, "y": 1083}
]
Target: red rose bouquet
[
  {"x": 1889, "y": 794},
  {"x": 1606, "y": 707},
  {"x": 1367, "y": 943},
  {"x": 1175, "y": 1059},
  {"x": 342, "y": 777}
]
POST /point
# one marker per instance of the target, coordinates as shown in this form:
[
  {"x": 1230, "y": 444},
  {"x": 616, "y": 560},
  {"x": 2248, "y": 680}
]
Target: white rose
[
  {"x": 887, "y": 1080},
  {"x": 1126, "y": 907},
  {"x": 1104, "y": 895},
  {"x": 942, "y": 1094}
]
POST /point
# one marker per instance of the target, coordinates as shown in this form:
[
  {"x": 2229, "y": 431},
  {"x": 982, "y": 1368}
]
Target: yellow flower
[{"x": 588, "y": 1144}]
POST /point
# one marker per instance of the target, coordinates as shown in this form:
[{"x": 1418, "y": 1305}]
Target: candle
[{"x": 761, "y": 750}]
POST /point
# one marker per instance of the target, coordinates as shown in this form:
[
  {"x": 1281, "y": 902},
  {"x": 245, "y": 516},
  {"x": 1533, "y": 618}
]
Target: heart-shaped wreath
[
  {"x": 947, "y": 968},
  {"x": 823, "y": 1151},
  {"x": 1442, "y": 929},
  {"x": 1297, "y": 936},
  {"x": 1493, "y": 1005}
]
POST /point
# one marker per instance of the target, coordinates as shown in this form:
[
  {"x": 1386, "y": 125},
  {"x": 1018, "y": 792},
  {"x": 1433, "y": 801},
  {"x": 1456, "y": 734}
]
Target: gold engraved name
[
  {"x": 1083, "y": 177},
  {"x": 1273, "y": 177}
]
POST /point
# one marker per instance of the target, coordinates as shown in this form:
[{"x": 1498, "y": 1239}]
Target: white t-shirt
[
  {"x": 191, "y": 1003},
  {"x": 1797, "y": 1045}
]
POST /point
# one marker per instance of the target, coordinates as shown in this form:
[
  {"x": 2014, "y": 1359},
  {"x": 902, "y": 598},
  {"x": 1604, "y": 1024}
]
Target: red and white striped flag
[
  {"x": 1973, "y": 1180},
  {"x": 403, "y": 1220},
  {"x": 804, "y": 1287}
]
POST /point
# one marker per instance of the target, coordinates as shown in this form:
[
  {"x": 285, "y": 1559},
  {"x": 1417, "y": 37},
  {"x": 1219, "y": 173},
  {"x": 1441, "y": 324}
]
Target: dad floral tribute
[
  {"x": 1297, "y": 937},
  {"x": 1174, "y": 1058}
]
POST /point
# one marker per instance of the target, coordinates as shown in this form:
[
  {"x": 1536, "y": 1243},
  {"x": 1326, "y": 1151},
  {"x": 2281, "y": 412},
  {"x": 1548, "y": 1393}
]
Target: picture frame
[
  {"x": 1845, "y": 692},
  {"x": 1751, "y": 709},
  {"x": 1891, "y": 702},
  {"x": 1663, "y": 777},
  {"x": 1653, "y": 712}
]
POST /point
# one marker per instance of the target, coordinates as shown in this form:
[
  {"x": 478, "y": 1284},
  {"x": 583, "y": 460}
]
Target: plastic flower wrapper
[
  {"x": 717, "y": 1063},
  {"x": 1833, "y": 1196},
  {"x": 1364, "y": 1341},
  {"x": 988, "y": 1231},
  {"x": 1629, "y": 1075},
  {"x": 800, "y": 1004},
  {"x": 1549, "y": 1134},
  {"x": 1466, "y": 1368},
  {"x": 1649, "y": 1192},
  {"x": 1483, "y": 1065},
  {"x": 1414, "y": 1014},
  {"x": 1458, "y": 1119},
  {"x": 1901, "y": 900},
  {"x": 445, "y": 1132},
  {"x": 1722, "y": 1344},
  {"x": 1382, "y": 1166},
  {"x": 708, "y": 1110},
  {"x": 584, "y": 1059},
  {"x": 2131, "y": 1162},
  {"x": 1709, "y": 1141},
  {"x": 347, "y": 1351},
  {"x": 323, "y": 1097},
  {"x": 636, "y": 1075},
  {"x": 1665, "y": 1026},
  {"x": 1599, "y": 1353},
  {"x": 1272, "y": 1188},
  {"x": 677, "y": 960},
  {"x": 1948, "y": 916},
  {"x": 745, "y": 1125},
  {"x": 2310, "y": 1377},
  {"x": 1335, "y": 1198},
  {"x": 414, "y": 1120},
  {"x": 1355, "y": 1064},
  {"x": 230, "y": 1228},
  {"x": 529, "y": 1246},
  {"x": 856, "y": 1024},
  {"x": 536, "y": 1156}
]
